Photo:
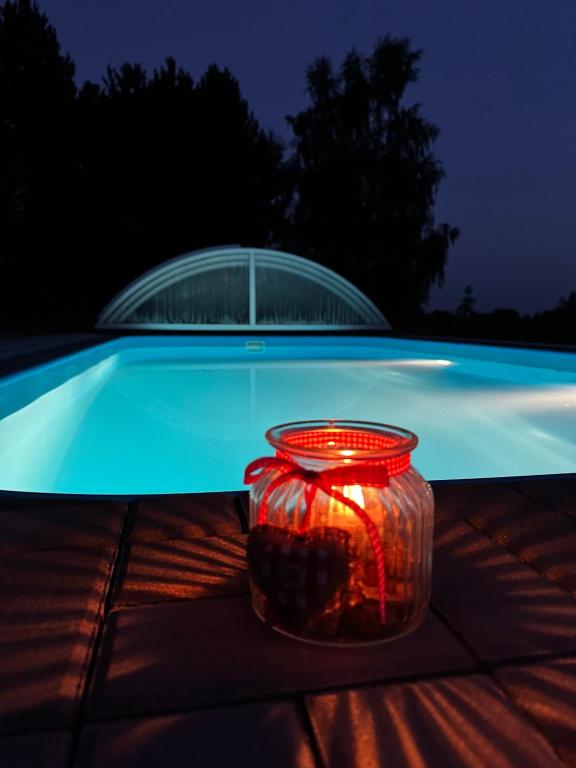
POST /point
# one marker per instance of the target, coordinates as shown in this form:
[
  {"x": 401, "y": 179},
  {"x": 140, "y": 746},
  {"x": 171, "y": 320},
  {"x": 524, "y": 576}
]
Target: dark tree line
[
  {"x": 552, "y": 325},
  {"x": 101, "y": 182}
]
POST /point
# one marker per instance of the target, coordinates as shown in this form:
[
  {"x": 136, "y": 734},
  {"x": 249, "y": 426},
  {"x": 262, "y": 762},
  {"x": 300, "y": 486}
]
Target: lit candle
[
  {"x": 339, "y": 549},
  {"x": 341, "y": 514}
]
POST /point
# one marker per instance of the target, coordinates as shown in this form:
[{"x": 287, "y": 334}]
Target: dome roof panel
[{"x": 241, "y": 288}]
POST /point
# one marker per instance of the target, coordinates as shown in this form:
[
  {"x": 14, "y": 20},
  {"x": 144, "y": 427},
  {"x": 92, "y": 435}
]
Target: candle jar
[{"x": 340, "y": 542}]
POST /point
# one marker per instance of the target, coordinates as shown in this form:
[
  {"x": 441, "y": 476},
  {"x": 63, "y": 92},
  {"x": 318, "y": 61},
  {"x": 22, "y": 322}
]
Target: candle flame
[
  {"x": 339, "y": 513},
  {"x": 354, "y": 492}
]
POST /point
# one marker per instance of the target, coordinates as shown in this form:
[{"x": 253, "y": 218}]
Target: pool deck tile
[
  {"x": 29, "y": 524},
  {"x": 178, "y": 569},
  {"x": 451, "y": 722},
  {"x": 220, "y": 652},
  {"x": 502, "y": 608},
  {"x": 185, "y": 516},
  {"x": 547, "y": 694},
  {"x": 129, "y": 627},
  {"x": 257, "y": 735},
  {"x": 545, "y": 540},
  {"x": 55, "y": 587},
  {"x": 35, "y": 750},
  {"x": 42, "y": 674},
  {"x": 463, "y": 500},
  {"x": 554, "y": 492}
]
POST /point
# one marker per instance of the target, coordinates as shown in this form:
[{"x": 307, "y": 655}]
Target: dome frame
[{"x": 117, "y": 313}]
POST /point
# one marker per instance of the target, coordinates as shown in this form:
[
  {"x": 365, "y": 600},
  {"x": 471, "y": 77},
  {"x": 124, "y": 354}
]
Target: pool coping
[{"x": 132, "y": 497}]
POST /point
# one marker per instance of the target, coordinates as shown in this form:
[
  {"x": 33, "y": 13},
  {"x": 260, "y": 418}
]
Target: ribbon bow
[{"x": 375, "y": 475}]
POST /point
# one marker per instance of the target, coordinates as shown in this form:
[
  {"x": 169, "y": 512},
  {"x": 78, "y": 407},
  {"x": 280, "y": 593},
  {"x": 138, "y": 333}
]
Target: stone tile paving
[
  {"x": 502, "y": 608},
  {"x": 57, "y": 560},
  {"x": 184, "y": 569},
  {"x": 53, "y": 587},
  {"x": 35, "y": 750},
  {"x": 547, "y": 694},
  {"x": 268, "y": 734},
  {"x": 544, "y": 539},
  {"x": 445, "y": 722},
  {"x": 33, "y": 525},
  {"x": 229, "y": 655},
  {"x": 463, "y": 500},
  {"x": 42, "y": 674},
  {"x": 558, "y": 493},
  {"x": 127, "y": 638},
  {"x": 184, "y": 517}
]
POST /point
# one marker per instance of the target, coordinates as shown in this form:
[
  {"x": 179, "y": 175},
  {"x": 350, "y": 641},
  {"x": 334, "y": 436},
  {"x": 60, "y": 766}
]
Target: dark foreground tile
[
  {"x": 184, "y": 654},
  {"x": 463, "y": 500},
  {"x": 35, "y": 750},
  {"x": 503, "y": 608},
  {"x": 184, "y": 569},
  {"x": 42, "y": 674},
  {"x": 557, "y": 493},
  {"x": 36, "y": 524},
  {"x": 259, "y": 736},
  {"x": 185, "y": 516},
  {"x": 547, "y": 693},
  {"x": 53, "y": 587},
  {"x": 546, "y": 540},
  {"x": 451, "y": 723}
]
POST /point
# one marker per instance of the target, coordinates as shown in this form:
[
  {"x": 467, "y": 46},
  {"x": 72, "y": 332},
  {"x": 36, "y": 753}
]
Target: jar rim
[{"x": 387, "y": 440}]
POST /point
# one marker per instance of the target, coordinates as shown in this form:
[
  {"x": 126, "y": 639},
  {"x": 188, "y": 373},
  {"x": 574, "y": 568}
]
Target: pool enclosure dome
[{"x": 235, "y": 288}]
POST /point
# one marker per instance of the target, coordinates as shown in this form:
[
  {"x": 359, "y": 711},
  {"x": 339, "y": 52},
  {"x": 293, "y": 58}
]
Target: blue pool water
[{"x": 168, "y": 415}]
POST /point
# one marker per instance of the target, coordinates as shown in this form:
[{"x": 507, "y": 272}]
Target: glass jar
[{"x": 340, "y": 542}]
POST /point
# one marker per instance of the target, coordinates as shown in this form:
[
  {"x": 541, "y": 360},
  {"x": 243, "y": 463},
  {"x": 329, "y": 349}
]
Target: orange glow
[{"x": 352, "y": 492}]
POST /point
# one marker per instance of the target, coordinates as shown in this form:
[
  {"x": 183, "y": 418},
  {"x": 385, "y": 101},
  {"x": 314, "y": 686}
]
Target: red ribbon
[{"x": 375, "y": 475}]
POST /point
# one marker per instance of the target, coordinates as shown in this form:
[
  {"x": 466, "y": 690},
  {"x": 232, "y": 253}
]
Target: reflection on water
[{"x": 184, "y": 426}]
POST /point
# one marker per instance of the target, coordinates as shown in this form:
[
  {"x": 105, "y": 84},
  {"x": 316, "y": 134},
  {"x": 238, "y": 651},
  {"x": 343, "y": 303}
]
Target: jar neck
[
  {"x": 322, "y": 445},
  {"x": 392, "y": 467}
]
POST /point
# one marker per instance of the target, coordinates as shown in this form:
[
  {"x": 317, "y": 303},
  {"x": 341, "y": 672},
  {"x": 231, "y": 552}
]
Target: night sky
[{"x": 497, "y": 77}]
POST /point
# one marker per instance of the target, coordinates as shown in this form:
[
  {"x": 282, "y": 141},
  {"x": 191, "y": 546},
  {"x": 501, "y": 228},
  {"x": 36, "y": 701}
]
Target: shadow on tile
[
  {"x": 501, "y": 606},
  {"x": 184, "y": 569},
  {"x": 449, "y": 723},
  {"x": 256, "y": 735},
  {"x": 43, "y": 674}
]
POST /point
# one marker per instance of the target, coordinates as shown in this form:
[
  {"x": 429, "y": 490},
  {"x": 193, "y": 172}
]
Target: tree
[
  {"x": 242, "y": 199},
  {"x": 568, "y": 305},
  {"x": 37, "y": 157},
  {"x": 99, "y": 185},
  {"x": 467, "y": 305},
  {"x": 557, "y": 324},
  {"x": 365, "y": 179},
  {"x": 174, "y": 166}
]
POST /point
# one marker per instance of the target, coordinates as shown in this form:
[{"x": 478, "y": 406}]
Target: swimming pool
[{"x": 172, "y": 414}]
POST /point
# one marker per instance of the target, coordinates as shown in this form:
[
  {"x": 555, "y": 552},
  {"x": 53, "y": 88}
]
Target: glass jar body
[{"x": 313, "y": 565}]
